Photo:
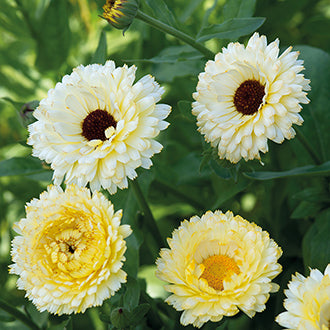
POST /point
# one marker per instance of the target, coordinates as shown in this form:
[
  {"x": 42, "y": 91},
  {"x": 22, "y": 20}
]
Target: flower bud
[{"x": 120, "y": 13}]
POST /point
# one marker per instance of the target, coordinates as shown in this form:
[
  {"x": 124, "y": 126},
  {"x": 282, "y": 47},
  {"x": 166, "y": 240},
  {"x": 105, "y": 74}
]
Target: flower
[
  {"x": 97, "y": 127},
  {"x": 120, "y": 13},
  {"x": 248, "y": 95},
  {"x": 70, "y": 250},
  {"x": 216, "y": 265},
  {"x": 307, "y": 302}
]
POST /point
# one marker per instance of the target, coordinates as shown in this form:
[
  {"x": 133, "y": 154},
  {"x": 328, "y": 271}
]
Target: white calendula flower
[
  {"x": 248, "y": 95},
  {"x": 217, "y": 265},
  {"x": 307, "y": 302},
  {"x": 97, "y": 126},
  {"x": 70, "y": 250}
]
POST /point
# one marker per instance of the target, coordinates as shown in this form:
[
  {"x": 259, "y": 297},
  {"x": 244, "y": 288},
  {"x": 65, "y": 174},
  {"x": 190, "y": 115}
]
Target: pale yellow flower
[
  {"x": 307, "y": 302},
  {"x": 97, "y": 126},
  {"x": 217, "y": 265},
  {"x": 248, "y": 95},
  {"x": 70, "y": 250}
]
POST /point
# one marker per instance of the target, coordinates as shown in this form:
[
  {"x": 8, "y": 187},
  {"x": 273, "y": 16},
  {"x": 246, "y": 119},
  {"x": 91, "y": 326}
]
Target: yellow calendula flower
[
  {"x": 120, "y": 13},
  {"x": 69, "y": 250},
  {"x": 217, "y": 265},
  {"x": 97, "y": 126},
  {"x": 248, "y": 95},
  {"x": 307, "y": 302}
]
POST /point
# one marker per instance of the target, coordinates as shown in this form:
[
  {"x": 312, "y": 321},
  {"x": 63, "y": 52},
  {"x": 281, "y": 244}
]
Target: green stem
[
  {"x": 308, "y": 147},
  {"x": 154, "y": 318},
  {"x": 174, "y": 32},
  {"x": 149, "y": 220},
  {"x": 18, "y": 315},
  {"x": 196, "y": 204}
]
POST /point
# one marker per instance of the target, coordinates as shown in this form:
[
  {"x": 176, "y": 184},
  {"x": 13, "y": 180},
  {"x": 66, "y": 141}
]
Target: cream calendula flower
[
  {"x": 97, "y": 126},
  {"x": 307, "y": 302},
  {"x": 248, "y": 95},
  {"x": 70, "y": 250},
  {"x": 217, "y": 265}
]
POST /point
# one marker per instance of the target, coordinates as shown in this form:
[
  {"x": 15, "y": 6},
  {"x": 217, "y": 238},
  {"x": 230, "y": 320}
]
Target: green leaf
[
  {"x": 189, "y": 9},
  {"x": 220, "y": 171},
  {"x": 185, "y": 109},
  {"x": 138, "y": 313},
  {"x": 7, "y": 318},
  {"x": 231, "y": 29},
  {"x": 309, "y": 170},
  {"x": 305, "y": 209},
  {"x": 54, "y": 36},
  {"x": 132, "y": 294},
  {"x": 317, "y": 118},
  {"x": 226, "y": 189},
  {"x": 313, "y": 195},
  {"x": 120, "y": 317},
  {"x": 162, "y": 12},
  {"x": 238, "y": 8},
  {"x": 172, "y": 54},
  {"x": 20, "y": 166},
  {"x": 207, "y": 15},
  {"x": 316, "y": 243},
  {"x": 100, "y": 54}
]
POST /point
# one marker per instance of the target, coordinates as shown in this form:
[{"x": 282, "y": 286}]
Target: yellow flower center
[
  {"x": 217, "y": 269},
  {"x": 73, "y": 246}
]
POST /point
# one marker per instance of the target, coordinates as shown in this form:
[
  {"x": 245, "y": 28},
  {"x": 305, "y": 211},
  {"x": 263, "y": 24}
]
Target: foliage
[{"x": 288, "y": 196}]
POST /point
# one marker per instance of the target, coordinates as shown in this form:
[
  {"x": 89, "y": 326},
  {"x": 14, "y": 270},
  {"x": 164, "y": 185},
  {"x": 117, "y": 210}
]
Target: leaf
[
  {"x": 190, "y": 8},
  {"x": 162, "y": 12},
  {"x": 309, "y": 170},
  {"x": 100, "y": 54},
  {"x": 173, "y": 54},
  {"x": 220, "y": 171},
  {"x": 305, "y": 209},
  {"x": 185, "y": 109},
  {"x": 7, "y": 318},
  {"x": 231, "y": 29},
  {"x": 313, "y": 195},
  {"x": 238, "y": 8},
  {"x": 132, "y": 294},
  {"x": 317, "y": 118},
  {"x": 54, "y": 36},
  {"x": 226, "y": 189},
  {"x": 138, "y": 313},
  {"x": 316, "y": 243},
  {"x": 20, "y": 166},
  {"x": 120, "y": 317},
  {"x": 207, "y": 15}
]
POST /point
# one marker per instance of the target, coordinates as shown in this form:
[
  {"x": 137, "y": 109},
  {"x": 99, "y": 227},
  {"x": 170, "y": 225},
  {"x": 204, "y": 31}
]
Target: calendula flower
[
  {"x": 217, "y": 265},
  {"x": 97, "y": 127},
  {"x": 70, "y": 250},
  {"x": 248, "y": 95},
  {"x": 307, "y": 302},
  {"x": 120, "y": 13}
]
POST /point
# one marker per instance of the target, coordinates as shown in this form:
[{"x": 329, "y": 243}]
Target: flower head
[
  {"x": 307, "y": 302},
  {"x": 216, "y": 265},
  {"x": 248, "y": 95},
  {"x": 97, "y": 127},
  {"x": 120, "y": 13},
  {"x": 70, "y": 250}
]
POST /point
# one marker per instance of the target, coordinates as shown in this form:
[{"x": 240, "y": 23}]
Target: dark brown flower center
[
  {"x": 95, "y": 124},
  {"x": 248, "y": 97},
  {"x": 71, "y": 248}
]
